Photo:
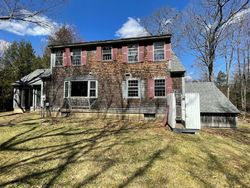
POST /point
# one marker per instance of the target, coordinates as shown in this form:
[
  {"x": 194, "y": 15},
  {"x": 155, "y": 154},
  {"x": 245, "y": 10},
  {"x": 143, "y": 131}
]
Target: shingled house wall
[{"x": 110, "y": 75}]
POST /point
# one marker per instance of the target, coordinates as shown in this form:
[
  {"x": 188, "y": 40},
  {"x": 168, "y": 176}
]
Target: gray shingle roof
[
  {"x": 34, "y": 77},
  {"x": 176, "y": 65},
  {"x": 212, "y": 100}
]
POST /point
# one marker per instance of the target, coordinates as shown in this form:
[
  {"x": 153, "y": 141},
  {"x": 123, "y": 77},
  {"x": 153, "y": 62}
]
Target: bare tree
[
  {"x": 165, "y": 20},
  {"x": 206, "y": 24},
  {"x": 26, "y": 10}
]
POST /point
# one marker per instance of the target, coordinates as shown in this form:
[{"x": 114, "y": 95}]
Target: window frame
[
  {"x": 158, "y": 49},
  {"x": 111, "y": 53},
  {"x": 160, "y": 78},
  {"x": 72, "y": 57},
  {"x": 139, "y": 88},
  {"x": 88, "y": 92},
  {"x": 137, "y": 54},
  {"x": 56, "y": 65}
]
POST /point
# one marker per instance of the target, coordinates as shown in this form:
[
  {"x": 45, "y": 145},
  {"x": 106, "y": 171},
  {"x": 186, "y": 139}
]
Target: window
[
  {"x": 160, "y": 88},
  {"x": 59, "y": 58},
  {"x": 159, "y": 51},
  {"x": 86, "y": 88},
  {"x": 92, "y": 89},
  {"x": 106, "y": 53},
  {"x": 132, "y": 53},
  {"x": 133, "y": 88},
  {"x": 76, "y": 57}
]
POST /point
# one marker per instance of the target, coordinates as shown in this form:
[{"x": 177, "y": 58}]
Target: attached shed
[{"x": 215, "y": 108}]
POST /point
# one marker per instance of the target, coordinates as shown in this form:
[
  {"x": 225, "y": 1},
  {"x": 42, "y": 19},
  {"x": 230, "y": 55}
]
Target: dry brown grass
[{"x": 110, "y": 153}]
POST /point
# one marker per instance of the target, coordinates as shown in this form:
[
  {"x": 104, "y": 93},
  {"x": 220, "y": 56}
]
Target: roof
[
  {"x": 115, "y": 41},
  {"x": 34, "y": 77},
  {"x": 212, "y": 100},
  {"x": 176, "y": 65}
]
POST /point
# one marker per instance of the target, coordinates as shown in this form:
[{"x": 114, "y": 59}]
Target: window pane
[
  {"x": 79, "y": 88},
  {"x": 76, "y": 57},
  {"x": 59, "y": 58},
  {"x": 133, "y": 53},
  {"x": 92, "y": 93},
  {"x": 93, "y": 84},
  {"x": 106, "y": 53},
  {"x": 160, "y": 88},
  {"x": 159, "y": 51}
]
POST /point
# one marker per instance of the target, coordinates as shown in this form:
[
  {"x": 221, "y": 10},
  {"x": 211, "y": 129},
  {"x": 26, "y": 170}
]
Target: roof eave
[{"x": 115, "y": 41}]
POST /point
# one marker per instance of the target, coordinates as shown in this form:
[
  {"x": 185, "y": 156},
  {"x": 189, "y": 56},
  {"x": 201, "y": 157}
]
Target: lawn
[{"x": 76, "y": 152}]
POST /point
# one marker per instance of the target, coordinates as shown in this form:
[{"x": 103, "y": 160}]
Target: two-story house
[
  {"x": 134, "y": 77},
  {"x": 122, "y": 76}
]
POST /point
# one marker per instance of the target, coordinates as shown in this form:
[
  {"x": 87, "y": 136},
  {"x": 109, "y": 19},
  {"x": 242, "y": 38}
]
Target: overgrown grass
[{"x": 110, "y": 153}]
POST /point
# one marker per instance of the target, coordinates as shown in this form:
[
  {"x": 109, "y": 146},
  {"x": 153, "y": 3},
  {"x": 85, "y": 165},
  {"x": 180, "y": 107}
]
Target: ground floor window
[
  {"x": 160, "y": 88},
  {"x": 86, "y": 88}
]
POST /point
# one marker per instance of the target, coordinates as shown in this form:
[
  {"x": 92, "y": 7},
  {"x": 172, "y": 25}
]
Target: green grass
[{"x": 78, "y": 152}]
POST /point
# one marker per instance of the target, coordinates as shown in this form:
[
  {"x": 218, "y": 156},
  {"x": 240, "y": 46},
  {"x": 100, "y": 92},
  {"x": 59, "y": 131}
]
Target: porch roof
[{"x": 33, "y": 78}]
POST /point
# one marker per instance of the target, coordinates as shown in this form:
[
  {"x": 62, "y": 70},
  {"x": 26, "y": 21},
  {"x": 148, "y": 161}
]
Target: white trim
[
  {"x": 160, "y": 78},
  {"x": 164, "y": 52},
  {"x": 137, "y": 54}
]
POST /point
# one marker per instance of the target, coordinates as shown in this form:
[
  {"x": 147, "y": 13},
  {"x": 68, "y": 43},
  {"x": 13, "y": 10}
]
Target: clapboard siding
[{"x": 218, "y": 120}]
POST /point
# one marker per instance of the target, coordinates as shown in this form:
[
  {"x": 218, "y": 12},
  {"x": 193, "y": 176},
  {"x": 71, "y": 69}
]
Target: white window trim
[
  {"x": 137, "y": 55},
  {"x": 88, "y": 92},
  {"x": 72, "y": 55},
  {"x": 111, "y": 54},
  {"x": 69, "y": 85},
  {"x": 139, "y": 88},
  {"x": 160, "y": 97},
  {"x": 164, "y": 51}
]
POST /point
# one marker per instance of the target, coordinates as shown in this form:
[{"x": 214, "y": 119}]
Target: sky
[{"x": 93, "y": 20}]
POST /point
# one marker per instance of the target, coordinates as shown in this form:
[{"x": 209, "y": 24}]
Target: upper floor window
[
  {"x": 159, "y": 51},
  {"x": 132, "y": 53},
  {"x": 59, "y": 58},
  {"x": 76, "y": 57},
  {"x": 160, "y": 88},
  {"x": 133, "y": 88},
  {"x": 106, "y": 53}
]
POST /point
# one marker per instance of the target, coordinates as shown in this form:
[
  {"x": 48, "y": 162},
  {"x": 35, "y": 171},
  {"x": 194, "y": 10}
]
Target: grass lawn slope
[{"x": 78, "y": 152}]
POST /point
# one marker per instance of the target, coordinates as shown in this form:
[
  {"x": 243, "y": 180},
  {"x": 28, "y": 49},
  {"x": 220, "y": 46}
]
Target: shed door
[{"x": 192, "y": 111}]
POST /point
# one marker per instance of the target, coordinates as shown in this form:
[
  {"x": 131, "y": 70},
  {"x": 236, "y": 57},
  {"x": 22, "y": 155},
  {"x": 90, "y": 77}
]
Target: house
[
  {"x": 28, "y": 91},
  {"x": 215, "y": 108},
  {"x": 133, "y": 77}
]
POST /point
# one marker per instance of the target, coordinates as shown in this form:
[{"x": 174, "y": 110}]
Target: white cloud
[
  {"x": 131, "y": 28},
  {"x": 22, "y": 28},
  {"x": 3, "y": 46},
  {"x": 240, "y": 15},
  {"x": 188, "y": 78}
]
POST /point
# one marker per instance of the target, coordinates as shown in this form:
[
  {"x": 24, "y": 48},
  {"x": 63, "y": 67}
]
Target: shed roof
[
  {"x": 176, "y": 65},
  {"x": 34, "y": 77},
  {"x": 212, "y": 100}
]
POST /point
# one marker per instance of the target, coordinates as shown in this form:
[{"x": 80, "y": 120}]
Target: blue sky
[{"x": 98, "y": 20}]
